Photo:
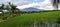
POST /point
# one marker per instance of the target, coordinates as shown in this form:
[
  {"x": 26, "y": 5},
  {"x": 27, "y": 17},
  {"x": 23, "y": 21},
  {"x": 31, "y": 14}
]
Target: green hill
[{"x": 25, "y": 19}]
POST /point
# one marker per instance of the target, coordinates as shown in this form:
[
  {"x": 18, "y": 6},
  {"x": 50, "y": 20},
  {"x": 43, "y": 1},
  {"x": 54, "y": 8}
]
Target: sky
[
  {"x": 41, "y": 4},
  {"x": 21, "y": 4}
]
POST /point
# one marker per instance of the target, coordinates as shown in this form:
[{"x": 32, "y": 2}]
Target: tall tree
[
  {"x": 2, "y": 6},
  {"x": 13, "y": 7},
  {"x": 55, "y": 3},
  {"x": 7, "y": 7}
]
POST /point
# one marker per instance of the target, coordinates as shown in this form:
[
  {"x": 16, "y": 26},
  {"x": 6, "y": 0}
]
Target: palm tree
[
  {"x": 2, "y": 7},
  {"x": 13, "y": 7},
  {"x": 55, "y": 3},
  {"x": 7, "y": 7}
]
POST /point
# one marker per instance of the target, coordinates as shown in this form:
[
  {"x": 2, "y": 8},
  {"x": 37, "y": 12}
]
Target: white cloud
[
  {"x": 27, "y": 3},
  {"x": 26, "y": 6},
  {"x": 46, "y": 5}
]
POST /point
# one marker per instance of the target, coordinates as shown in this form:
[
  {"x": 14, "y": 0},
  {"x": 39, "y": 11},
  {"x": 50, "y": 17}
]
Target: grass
[{"x": 25, "y": 19}]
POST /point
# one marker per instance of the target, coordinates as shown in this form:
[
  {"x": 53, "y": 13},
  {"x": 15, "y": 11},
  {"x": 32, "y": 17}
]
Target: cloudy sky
[
  {"x": 21, "y": 2},
  {"x": 42, "y": 4}
]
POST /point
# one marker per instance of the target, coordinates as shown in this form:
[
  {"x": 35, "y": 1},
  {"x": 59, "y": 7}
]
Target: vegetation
[
  {"x": 2, "y": 7},
  {"x": 13, "y": 7},
  {"x": 16, "y": 18},
  {"x": 25, "y": 19},
  {"x": 11, "y": 10}
]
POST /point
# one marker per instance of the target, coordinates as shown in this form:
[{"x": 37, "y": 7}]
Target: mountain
[{"x": 31, "y": 9}]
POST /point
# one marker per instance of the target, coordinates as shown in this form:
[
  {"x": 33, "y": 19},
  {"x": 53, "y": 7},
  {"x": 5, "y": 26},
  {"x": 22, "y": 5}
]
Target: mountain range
[{"x": 31, "y": 9}]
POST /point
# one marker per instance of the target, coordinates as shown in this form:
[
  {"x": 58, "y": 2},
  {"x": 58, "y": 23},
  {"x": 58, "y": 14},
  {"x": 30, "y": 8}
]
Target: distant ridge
[{"x": 31, "y": 9}]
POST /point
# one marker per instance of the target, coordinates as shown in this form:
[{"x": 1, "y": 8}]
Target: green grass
[{"x": 45, "y": 17}]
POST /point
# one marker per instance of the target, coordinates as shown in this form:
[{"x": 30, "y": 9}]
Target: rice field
[{"x": 29, "y": 19}]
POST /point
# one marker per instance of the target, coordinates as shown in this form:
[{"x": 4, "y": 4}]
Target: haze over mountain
[{"x": 31, "y": 9}]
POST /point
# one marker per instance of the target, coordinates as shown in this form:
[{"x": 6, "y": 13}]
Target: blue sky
[{"x": 37, "y": 0}]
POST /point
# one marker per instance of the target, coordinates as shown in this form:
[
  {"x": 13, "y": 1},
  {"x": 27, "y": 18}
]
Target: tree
[
  {"x": 55, "y": 3},
  {"x": 7, "y": 7},
  {"x": 2, "y": 7},
  {"x": 13, "y": 7}
]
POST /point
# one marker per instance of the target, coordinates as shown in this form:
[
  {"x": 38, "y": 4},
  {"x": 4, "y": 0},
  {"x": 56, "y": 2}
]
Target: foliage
[
  {"x": 13, "y": 7},
  {"x": 2, "y": 7},
  {"x": 45, "y": 17}
]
